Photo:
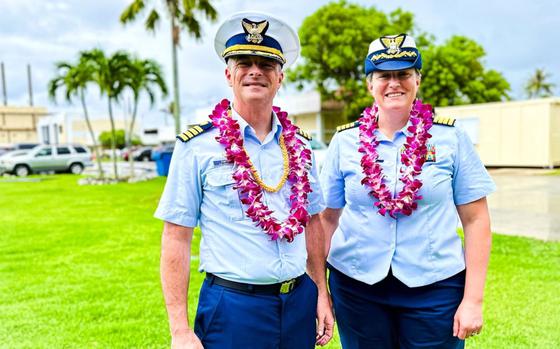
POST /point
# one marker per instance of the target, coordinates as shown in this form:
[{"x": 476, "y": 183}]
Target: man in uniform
[{"x": 247, "y": 177}]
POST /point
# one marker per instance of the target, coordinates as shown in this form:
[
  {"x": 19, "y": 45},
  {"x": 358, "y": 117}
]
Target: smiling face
[
  {"x": 254, "y": 78},
  {"x": 394, "y": 91}
]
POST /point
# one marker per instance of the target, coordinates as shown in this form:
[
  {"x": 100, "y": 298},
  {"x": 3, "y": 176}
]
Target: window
[
  {"x": 44, "y": 152},
  {"x": 62, "y": 150},
  {"x": 153, "y": 131},
  {"x": 46, "y": 135},
  {"x": 80, "y": 150}
]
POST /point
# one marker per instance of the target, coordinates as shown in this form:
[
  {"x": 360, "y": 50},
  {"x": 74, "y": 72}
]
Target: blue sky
[{"x": 518, "y": 37}]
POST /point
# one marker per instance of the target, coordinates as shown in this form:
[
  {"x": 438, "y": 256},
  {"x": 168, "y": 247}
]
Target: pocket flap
[{"x": 220, "y": 178}]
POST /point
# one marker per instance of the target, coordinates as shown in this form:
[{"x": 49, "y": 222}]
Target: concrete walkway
[
  {"x": 527, "y": 203},
  {"x": 123, "y": 168}
]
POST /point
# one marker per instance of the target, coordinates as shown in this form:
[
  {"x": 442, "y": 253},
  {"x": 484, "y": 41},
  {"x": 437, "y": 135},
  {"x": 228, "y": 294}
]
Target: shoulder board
[
  {"x": 304, "y": 134},
  {"x": 444, "y": 120},
  {"x": 195, "y": 131},
  {"x": 347, "y": 126}
]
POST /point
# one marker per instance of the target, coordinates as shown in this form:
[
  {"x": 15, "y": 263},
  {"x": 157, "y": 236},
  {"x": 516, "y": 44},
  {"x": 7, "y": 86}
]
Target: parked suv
[{"x": 71, "y": 158}]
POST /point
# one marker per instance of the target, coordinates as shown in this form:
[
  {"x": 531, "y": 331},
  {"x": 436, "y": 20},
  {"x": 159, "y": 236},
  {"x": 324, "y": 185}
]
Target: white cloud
[{"x": 518, "y": 37}]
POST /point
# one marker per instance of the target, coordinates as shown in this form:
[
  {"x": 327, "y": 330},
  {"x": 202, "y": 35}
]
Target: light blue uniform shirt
[
  {"x": 422, "y": 248},
  {"x": 199, "y": 190}
]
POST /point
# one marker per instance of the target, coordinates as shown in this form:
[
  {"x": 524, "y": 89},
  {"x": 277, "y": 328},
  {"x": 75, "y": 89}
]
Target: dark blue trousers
[
  {"x": 391, "y": 315},
  {"x": 231, "y": 319}
]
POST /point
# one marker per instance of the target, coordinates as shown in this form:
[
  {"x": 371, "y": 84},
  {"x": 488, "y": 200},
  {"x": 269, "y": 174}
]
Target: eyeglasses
[{"x": 388, "y": 75}]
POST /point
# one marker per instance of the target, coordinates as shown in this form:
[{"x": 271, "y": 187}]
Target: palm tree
[
  {"x": 538, "y": 86},
  {"x": 110, "y": 74},
  {"x": 75, "y": 78},
  {"x": 182, "y": 13},
  {"x": 145, "y": 76}
]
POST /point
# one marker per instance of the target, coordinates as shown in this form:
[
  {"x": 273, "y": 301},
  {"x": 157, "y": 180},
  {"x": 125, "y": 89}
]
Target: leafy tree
[
  {"x": 538, "y": 86},
  {"x": 75, "y": 78},
  {"x": 106, "y": 139},
  {"x": 145, "y": 76},
  {"x": 110, "y": 74},
  {"x": 454, "y": 74},
  {"x": 335, "y": 41},
  {"x": 182, "y": 14}
]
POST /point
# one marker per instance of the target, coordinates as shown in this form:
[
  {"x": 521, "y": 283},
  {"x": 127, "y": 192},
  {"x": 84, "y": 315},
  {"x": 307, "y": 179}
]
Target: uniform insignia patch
[
  {"x": 444, "y": 120},
  {"x": 431, "y": 153},
  {"x": 254, "y": 30},
  {"x": 195, "y": 131},
  {"x": 393, "y": 44},
  {"x": 347, "y": 126}
]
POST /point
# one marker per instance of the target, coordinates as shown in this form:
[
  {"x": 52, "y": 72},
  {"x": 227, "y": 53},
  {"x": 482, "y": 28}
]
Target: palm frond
[
  {"x": 152, "y": 20},
  {"x": 132, "y": 11}
]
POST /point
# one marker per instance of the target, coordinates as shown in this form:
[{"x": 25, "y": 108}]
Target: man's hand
[
  {"x": 325, "y": 319},
  {"x": 468, "y": 319},
  {"x": 187, "y": 340}
]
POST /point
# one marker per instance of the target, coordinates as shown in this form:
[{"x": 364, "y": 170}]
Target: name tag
[{"x": 218, "y": 163}]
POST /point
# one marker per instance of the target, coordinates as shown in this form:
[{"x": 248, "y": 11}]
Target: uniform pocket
[
  {"x": 437, "y": 186},
  {"x": 208, "y": 304},
  {"x": 219, "y": 185}
]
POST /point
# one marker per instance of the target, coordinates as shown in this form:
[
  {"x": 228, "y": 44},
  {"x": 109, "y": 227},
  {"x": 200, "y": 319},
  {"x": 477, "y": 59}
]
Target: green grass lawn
[{"x": 79, "y": 269}]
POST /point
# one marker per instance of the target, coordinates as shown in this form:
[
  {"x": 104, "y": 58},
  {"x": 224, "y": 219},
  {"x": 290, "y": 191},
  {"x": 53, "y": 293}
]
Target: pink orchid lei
[
  {"x": 251, "y": 193},
  {"x": 412, "y": 157}
]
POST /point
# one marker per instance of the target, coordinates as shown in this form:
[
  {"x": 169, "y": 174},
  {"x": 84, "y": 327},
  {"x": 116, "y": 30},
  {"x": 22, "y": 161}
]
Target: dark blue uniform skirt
[
  {"x": 390, "y": 314},
  {"x": 228, "y": 318}
]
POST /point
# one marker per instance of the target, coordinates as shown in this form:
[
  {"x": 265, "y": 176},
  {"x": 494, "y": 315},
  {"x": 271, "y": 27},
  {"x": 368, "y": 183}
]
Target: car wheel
[
  {"x": 76, "y": 168},
  {"x": 22, "y": 171}
]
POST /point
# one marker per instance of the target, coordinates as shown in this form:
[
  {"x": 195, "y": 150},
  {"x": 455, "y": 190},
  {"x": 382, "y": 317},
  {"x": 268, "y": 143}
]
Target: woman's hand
[{"x": 468, "y": 319}]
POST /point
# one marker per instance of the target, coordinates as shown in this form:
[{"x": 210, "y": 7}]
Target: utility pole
[
  {"x": 4, "y": 92},
  {"x": 29, "y": 85}
]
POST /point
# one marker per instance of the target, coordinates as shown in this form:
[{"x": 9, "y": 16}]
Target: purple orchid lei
[
  {"x": 412, "y": 157},
  {"x": 250, "y": 191}
]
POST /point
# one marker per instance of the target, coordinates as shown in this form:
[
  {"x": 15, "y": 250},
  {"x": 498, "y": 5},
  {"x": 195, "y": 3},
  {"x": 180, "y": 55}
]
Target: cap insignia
[
  {"x": 254, "y": 30},
  {"x": 393, "y": 44}
]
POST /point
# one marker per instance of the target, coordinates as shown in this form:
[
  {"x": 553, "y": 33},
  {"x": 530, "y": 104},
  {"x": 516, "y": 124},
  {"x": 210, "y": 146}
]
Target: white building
[{"x": 72, "y": 128}]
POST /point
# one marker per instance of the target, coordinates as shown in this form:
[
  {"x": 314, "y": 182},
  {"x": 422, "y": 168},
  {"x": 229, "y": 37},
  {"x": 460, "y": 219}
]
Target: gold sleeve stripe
[
  {"x": 304, "y": 134},
  {"x": 347, "y": 126},
  {"x": 443, "y": 120},
  {"x": 195, "y": 131},
  {"x": 189, "y": 133}
]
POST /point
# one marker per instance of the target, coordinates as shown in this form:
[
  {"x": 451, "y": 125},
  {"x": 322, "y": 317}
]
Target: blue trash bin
[{"x": 162, "y": 158}]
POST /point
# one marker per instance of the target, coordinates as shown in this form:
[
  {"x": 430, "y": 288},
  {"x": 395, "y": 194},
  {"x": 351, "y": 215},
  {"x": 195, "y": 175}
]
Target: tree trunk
[
  {"x": 174, "y": 43},
  {"x": 129, "y": 137},
  {"x": 95, "y": 146},
  {"x": 113, "y": 139}
]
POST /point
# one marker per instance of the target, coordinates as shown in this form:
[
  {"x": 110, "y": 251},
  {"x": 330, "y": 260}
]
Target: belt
[{"x": 279, "y": 288}]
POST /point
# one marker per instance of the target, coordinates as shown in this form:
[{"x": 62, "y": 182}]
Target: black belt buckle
[{"x": 287, "y": 286}]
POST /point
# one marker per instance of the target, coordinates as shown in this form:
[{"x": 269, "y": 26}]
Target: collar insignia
[
  {"x": 254, "y": 30},
  {"x": 393, "y": 44}
]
